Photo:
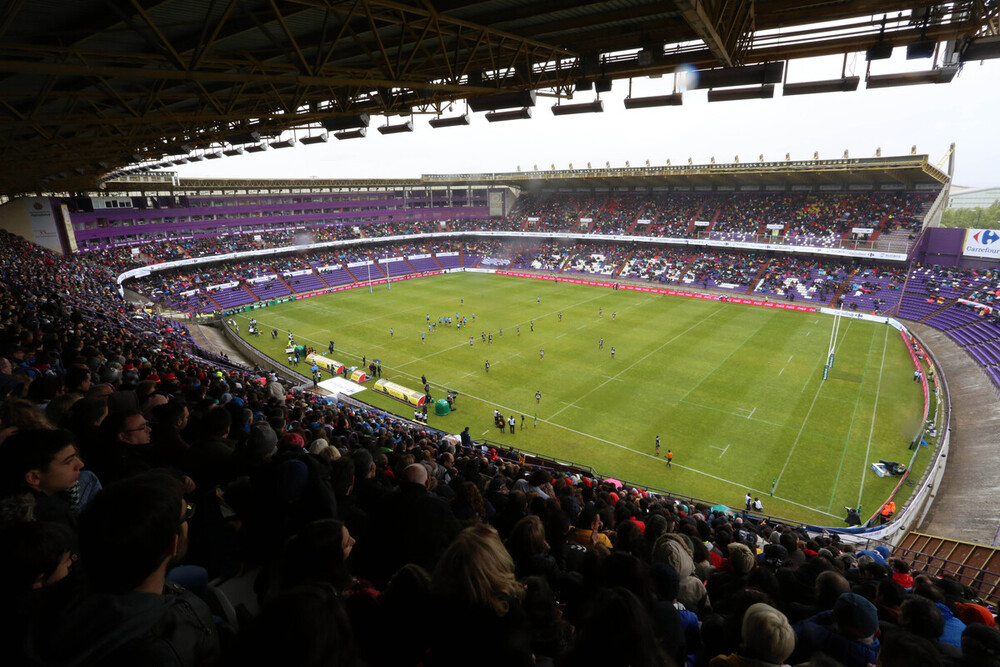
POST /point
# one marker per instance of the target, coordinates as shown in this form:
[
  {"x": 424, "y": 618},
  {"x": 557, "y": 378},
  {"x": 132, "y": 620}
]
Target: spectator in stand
[
  {"x": 767, "y": 639},
  {"x": 846, "y": 634},
  {"x": 123, "y": 611},
  {"x": 474, "y": 587},
  {"x": 41, "y": 464}
]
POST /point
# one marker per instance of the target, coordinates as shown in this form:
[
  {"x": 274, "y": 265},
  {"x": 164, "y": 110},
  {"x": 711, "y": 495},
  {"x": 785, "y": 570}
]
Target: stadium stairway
[
  {"x": 756, "y": 279},
  {"x": 215, "y": 303},
  {"x": 902, "y": 290},
  {"x": 690, "y": 225},
  {"x": 974, "y": 565}
]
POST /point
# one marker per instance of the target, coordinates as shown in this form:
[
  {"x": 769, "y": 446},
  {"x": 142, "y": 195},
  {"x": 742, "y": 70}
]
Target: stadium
[{"x": 533, "y": 401}]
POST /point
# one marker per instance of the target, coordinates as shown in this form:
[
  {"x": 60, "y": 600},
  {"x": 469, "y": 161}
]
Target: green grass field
[{"x": 735, "y": 391}]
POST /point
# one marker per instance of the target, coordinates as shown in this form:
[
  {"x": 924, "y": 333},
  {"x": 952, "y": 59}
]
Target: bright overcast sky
[{"x": 964, "y": 111}]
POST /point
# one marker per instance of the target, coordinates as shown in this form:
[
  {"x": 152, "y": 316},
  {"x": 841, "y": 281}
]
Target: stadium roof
[
  {"x": 88, "y": 88},
  {"x": 910, "y": 171}
]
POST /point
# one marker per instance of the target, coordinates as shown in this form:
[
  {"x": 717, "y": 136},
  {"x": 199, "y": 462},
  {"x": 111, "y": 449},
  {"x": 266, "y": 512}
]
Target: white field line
[
  {"x": 871, "y": 429},
  {"x": 641, "y": 359}
]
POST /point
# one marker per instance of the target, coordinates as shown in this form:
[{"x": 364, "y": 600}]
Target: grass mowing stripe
[
  {"x": 854, "y": 415},
  {"x": 871, "y": 429},
  {"x": 644, "y": 357},
  {"x": 722, "y": 363},
  {"x": 806, "y": 420}
]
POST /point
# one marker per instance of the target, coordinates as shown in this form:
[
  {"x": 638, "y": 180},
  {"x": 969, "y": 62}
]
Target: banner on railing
[{"x": 212, "y": 288}]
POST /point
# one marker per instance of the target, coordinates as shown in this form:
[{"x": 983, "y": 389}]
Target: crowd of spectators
[
  {"x": 133, "y": 472},
  {"x": 669, "y": 215},
  {"x": 750, "y": 213},
  {"x": 606, "y": 262},
  {"x": 726, "y": 270},
  {"x": 618, "y": 215},
  {"x": 788, "y": 276},
  {"x": 663, "y": 265}
]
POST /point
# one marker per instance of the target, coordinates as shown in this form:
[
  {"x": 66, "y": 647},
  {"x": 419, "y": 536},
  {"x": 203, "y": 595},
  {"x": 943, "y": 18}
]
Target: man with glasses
[
  {"x": 124, "y": 449},
  {"x": 123, "y": 610}
]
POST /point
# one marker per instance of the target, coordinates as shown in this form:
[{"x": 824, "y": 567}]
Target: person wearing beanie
[
  {"x": 767, "y": 640},
  {"x": 846, "y": 634}
]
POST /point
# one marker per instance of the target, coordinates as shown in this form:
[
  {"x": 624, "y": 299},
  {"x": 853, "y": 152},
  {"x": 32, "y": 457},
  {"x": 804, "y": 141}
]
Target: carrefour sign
[{"x": 982, "y": 243}]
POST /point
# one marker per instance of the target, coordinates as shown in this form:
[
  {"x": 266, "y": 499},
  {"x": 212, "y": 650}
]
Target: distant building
[{"x": 973, "y": 197}]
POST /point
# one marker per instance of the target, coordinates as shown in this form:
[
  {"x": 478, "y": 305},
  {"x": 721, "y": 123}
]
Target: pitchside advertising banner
[
  {"x": 399, "y": 392},
  {"x": 982, "y": 243}
]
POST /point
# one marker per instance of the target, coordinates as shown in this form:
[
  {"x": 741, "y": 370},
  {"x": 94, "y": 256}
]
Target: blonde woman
[{"x": 477, "y": 601}]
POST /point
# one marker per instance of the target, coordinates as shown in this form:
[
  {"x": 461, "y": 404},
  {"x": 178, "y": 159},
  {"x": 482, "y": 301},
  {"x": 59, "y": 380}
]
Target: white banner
[
  {"x": 262, "y": 279},
  {"x": 387, "y": 260},
  {"x": 351, "y": 265},
  {"x": 42, "y": 221},
  {"x": 862, "y": 230},
  {"x": 586, "y": 219},
  {"x": 212, "y": 288},
  {"x": 297, "y": 273},
  {"x": 338, "y": 385},
  {"x": 530, "y": 219},
  {"x": 642, "y": 221},
  {"x": 323, "y": 269},
  {"x": 447, "y": 254},
  {"x": 775, "y": 225},
  {"x": 417, "y": 256},
  {"x": 982, "y": 243},
  {"x": 702, "y": 223}
]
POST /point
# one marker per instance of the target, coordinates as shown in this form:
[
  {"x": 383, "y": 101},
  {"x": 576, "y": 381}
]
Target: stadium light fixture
[
  {"x": 940, "y": 75},
  {"x": 921, "y": 49},
  {"x": 213, "y": 156},
  {"x": 880, "y": 51},
  {"x": 195, "y": 158},
  {"x": 513, "y": 114},
  {"x": 982, "y": 48},
  {"x": 396, "y": 129},
  {"x": 244, "y": 138},
  {"x": 256, "y": 148},
  {"x": 674, "y": 100},
  {"x": 844, "y": 85},
  {"x": 603, "y": 85},
  {"x": 315, "y": 139},
  {"x": 520, "y": 98},
  {"x": 287, "y": 143},
  {"x": 455, "y": 121},
  {"x": 728, "y": 77},
  {"x": 359, "y": 133},
  {"x": 733, "y": 94},
  {"x": 597, "y": 106},
  {"x": 338, "y": 123},
  {"x": 583, "y": 85},
  {"x": 233, "y": 152}
]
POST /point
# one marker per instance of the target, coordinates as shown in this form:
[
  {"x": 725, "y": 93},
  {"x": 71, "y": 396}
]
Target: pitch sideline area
[{"x": 735, "y": 391}]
